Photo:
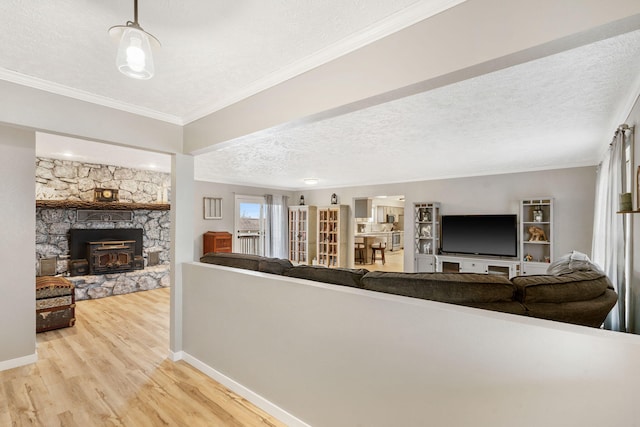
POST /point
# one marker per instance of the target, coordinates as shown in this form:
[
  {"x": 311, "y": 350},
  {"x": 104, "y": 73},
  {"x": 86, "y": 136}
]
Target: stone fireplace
[{"x": 126, "y": 244}]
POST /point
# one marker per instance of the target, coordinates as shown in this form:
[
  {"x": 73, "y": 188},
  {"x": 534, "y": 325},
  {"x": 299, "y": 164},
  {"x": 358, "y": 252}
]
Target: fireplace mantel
[{"x": 80, "y": 204}]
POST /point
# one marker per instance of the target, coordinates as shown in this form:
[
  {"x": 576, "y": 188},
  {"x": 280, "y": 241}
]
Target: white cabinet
[
  {"x": 536, "y": 235},
  {"x": 302, "y": 234},
  {"x": 426, "y": 235},
  {"x": 456, "y": 264}
]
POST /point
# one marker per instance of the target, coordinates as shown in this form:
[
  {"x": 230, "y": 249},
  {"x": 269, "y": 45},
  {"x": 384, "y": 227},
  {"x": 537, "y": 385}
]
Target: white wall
[
  {"x": 573, "y": 190},
  {"x": 228, "y": 193},
  {"x": 337, "y": 356},
  {"x": 18, "y": 220}
]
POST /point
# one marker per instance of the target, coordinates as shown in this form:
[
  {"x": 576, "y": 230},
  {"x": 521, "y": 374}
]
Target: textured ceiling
[
  {"x": 555, "y": 112},
  {"x": 213, "y": 51},
  {"x": 558, "y": 111}
]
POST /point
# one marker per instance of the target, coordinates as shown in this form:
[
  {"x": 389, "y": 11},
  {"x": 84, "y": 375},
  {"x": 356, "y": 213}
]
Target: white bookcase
[
  {"x": 332, "y": 235},
  {"x": 536, "y": 249},
  {"x": 426, "y": 236},
  {"x": 302, "y": 234}
]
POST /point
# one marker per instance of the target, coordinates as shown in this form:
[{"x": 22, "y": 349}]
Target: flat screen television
[{"x": 495, "y": 235}]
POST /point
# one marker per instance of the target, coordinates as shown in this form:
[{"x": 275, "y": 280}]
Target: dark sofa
[{"x": 578, "y": 297}]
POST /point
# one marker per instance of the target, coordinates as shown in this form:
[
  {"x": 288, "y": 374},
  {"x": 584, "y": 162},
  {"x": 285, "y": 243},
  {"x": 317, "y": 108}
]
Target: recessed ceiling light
[
  {"x": 67, "y": 154},
  {"x": 311, "y": 181}
]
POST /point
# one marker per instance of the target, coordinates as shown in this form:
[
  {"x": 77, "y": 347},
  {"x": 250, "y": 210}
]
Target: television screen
[{"x": 495, "y": 235}]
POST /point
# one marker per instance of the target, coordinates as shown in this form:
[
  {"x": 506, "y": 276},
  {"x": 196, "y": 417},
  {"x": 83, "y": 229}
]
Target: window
[{"x": 249, "y": 225}]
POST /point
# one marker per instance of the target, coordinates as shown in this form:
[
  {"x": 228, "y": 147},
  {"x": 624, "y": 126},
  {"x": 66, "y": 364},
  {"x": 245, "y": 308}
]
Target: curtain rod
[{"x": 621, "y": 128}]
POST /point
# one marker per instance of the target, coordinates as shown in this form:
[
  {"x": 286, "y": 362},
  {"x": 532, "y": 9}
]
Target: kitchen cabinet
[
  {"x": 382, "y": 213},
  {"x": 362, "y": 208}
]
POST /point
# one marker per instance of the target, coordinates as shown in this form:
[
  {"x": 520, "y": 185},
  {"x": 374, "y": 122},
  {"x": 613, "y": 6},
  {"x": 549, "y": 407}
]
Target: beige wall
[
  {"x": 18, "y": 220},
  {"x": 228, "y": 193},
  {"x": 573, "y": 191},
  {"x": 48, "y": 112}
]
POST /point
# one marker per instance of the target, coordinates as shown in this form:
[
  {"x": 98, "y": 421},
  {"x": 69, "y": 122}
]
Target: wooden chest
[
  {"x": 217, "y": 241},
  {"x": 55, "y": 303}
]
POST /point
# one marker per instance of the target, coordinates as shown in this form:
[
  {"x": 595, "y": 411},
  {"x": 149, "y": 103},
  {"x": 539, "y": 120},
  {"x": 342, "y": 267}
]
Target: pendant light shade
[{"x": 134, "y": 58}]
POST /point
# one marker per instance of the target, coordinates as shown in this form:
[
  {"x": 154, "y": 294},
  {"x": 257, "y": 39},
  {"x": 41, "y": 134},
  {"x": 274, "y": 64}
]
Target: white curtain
[
  {"x": 276, "y": 244},
  {"x": 609, "y": 233}
]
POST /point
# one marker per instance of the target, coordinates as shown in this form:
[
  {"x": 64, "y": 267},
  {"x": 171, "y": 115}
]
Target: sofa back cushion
[
  {"x": 576, "y": 286},
  {"x": 247, "y": 262},
  {"x": 274, "y": 265},
  {"x": 336, "y": 276},
  {"x": 458, "y": 288}
]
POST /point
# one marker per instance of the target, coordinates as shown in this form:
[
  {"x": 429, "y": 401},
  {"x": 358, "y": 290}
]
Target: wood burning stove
[
  {"x": 104, "y": 251},
  {"x": 110, "y": 256}
]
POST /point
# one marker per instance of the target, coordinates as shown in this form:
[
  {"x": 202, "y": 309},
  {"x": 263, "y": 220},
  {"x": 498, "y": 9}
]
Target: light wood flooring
[
  {"x": 111, "y": 369},
  {"x": 394, "y": 261}
]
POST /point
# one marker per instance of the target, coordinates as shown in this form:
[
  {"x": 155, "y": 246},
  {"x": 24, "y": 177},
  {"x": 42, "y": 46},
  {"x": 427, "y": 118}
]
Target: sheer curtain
[
  {"x": 610, "y": 248},
  {"x": 277, "y": 223}
]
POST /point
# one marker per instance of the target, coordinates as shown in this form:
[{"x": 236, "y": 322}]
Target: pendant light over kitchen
[{"x": 134, "y": 58}]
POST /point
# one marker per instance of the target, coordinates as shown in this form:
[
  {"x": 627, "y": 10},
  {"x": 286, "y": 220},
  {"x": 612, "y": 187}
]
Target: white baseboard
[
  {"x": 20, "y": 361},
  {"x": 175, "y": 356},
  {"x": 243, "y": 391}
]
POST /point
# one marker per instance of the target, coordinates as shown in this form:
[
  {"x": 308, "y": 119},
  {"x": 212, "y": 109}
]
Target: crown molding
[
  {"x": 394, "y": 23},
  {"x": 58, "y": 89},
  {"x": 415, "y": 13}
]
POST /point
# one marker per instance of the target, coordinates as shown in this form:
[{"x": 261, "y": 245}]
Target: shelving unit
[
  {"x": 426, "y": 232},
  {"x": 536, "y": 255},
  {"x": 332, "y": 235},
  {"x": 302, "y": 234}
]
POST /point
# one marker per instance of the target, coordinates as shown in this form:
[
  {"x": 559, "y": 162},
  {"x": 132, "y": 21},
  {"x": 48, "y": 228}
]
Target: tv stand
[{"x": 473, "y": 264}]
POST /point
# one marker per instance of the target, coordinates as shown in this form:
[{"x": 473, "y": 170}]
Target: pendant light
[{"x": 134, "y": 58}]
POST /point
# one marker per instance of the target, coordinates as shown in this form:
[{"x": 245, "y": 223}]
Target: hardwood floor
[
  {"x": 394, "y": 261},
  {"x": 111, "y": 369}
]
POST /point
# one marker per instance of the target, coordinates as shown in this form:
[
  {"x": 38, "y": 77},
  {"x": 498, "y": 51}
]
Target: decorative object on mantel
[
  {"x": 301, "y": 200},
  {"x": 81, "y": 204},
  {"x": 334, "y": 199},
  {"x": 105, "y": 195}
]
